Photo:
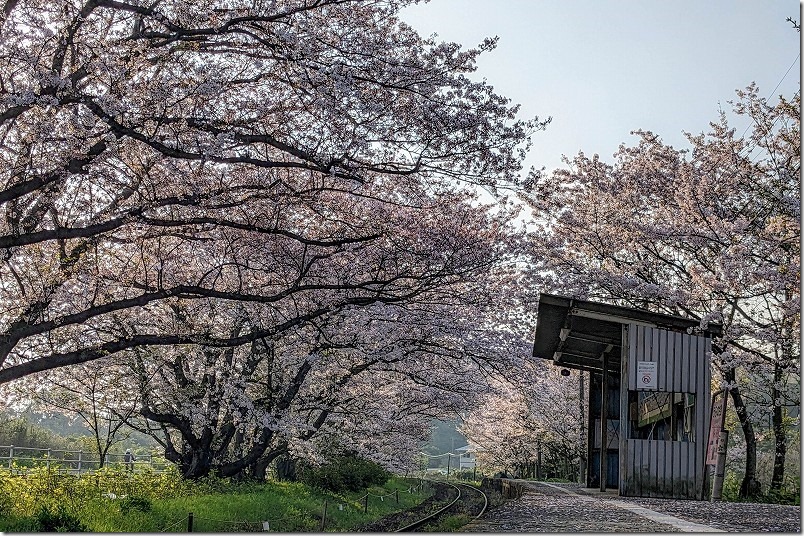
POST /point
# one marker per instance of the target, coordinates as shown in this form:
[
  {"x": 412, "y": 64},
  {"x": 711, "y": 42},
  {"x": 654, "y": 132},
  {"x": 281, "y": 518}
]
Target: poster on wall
[{"x": 646, "y": 375}]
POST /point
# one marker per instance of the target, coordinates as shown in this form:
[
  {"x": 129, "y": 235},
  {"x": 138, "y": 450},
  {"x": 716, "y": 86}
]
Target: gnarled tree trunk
[
  {"x": 750, "y": 486},
  {"x": 779, "y": 433}
]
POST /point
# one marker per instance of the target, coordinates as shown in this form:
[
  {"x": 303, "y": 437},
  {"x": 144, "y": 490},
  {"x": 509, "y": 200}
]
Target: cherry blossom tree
[
  {"x": 440, "y": 279},
  {"x": 149, "y": 149},
  {"x": 530, "y": 414},
  {"x": 712, "y": 233}
]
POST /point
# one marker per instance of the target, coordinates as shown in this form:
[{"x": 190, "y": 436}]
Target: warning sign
[{"x": 646, "y": 375}]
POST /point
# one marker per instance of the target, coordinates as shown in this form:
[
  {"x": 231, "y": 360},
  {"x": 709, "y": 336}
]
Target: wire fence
[
  {"x": 289, "y": 523},
  {"x": 20, "y": 459},
  {"x": 65, "y": 463}
]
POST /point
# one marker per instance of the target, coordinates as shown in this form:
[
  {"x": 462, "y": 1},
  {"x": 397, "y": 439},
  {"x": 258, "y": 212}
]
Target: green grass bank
[{"x": 115, "y": 501}]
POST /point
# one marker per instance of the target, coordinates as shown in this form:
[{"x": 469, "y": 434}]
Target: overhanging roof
[{"x": 575, "y": 333}]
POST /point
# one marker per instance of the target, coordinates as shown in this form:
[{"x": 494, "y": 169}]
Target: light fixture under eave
[
  {"x": 563, "y": 334},
  {"x": 557, "y": 357}
]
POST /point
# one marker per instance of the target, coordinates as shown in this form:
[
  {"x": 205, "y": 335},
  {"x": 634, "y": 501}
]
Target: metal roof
[{"x": 575, "y": 333}]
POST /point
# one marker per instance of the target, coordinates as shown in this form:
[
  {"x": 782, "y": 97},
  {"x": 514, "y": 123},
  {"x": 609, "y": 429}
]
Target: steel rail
[
  {"x": 485, "y": 500},
  {"x": 419, "y": 523}
]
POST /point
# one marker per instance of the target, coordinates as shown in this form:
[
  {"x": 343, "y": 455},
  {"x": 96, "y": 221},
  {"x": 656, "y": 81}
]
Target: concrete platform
[{"x": 563, "y": 508}]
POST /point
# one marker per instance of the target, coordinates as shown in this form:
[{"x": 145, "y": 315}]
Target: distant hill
[
  {"x": 58, "y": 431},
  {"x": 444, "y": 438}
]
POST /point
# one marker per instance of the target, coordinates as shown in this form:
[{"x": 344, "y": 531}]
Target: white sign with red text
[{"x": 646, "y": 375}]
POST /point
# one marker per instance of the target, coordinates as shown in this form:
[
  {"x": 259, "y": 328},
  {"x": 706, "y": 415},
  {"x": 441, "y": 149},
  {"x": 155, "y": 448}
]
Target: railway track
[{"x": 468, "y": 500}]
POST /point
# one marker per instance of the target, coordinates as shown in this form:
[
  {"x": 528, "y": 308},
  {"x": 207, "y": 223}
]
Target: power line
[
  {"x": 798, "y": 56},
  {"x": 785, "y": 74}
]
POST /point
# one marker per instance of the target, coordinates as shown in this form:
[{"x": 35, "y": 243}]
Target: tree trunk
[
  {"x": 259, "y": 468},
  {"x": 750, "y": 486},
  {"x": 286, "y": 469},
  {"x": 779, "y": 433},
  {"x": 197, "y": 463},
  {"x": 101, "y": 454}
]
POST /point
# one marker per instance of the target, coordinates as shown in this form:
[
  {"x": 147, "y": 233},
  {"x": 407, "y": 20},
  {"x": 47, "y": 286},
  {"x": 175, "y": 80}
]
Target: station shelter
[{"x": 652, "y": 370}]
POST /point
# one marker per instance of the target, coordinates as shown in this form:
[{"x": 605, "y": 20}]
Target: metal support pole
[
  {"x": 582, "y": 429},
  {"x": 190, "y": 522},
  {"x": 604, "y": 391}
]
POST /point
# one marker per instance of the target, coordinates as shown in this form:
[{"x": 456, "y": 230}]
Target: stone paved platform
[{"x": 562, "y": 508}]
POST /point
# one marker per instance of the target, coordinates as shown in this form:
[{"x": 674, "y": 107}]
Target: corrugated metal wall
[{"x": 663, "y": 468}]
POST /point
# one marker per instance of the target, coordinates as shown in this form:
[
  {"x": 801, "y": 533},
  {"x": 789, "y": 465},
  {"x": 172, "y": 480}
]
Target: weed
[
  {"x": 57, "y": 520},
  {"x": 140, "y": 504}
]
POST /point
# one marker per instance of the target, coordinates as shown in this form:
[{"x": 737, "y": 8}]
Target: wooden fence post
[
  {"x": 48, "y": 458},
  {"x": 80, "y": 456},
  {"x": 10, "y": 456},
  {"x": 396, "y": 492},
  {"x": 190, "y": 522},
  {"x": 324, "y": 516},
  {"x": 365, "y": 505}
]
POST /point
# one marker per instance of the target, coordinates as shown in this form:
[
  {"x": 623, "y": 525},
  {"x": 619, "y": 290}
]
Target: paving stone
[{"x": 543, "y": 508}]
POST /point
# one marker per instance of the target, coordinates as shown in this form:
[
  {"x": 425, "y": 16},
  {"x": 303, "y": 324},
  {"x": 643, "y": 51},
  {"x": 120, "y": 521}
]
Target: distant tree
[
  {"x": 98, "y": 393},
  {"x": 712, "y": 234},
  {"x": 21, "y": 432},
  {"x": 531, "y": 413}
]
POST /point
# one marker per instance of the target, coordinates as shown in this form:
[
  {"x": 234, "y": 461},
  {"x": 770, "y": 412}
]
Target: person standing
[{"x": 129, "y": 458}]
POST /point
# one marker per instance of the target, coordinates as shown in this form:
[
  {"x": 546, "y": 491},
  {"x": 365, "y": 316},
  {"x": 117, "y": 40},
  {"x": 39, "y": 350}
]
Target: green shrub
[
  {"x": 135, "y": 502},
  {"x": 345, "y": 473},
  {"x": 781, "y": 497},
  {"x": 57, "y": 520},
  {"x": 6, "y": 498},
  {"x": 790, "y": 494},
  {"x": 731, "y": 487}
]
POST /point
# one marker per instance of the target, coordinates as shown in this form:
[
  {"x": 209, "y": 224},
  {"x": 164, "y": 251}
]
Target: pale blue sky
[{"x": 602, "y": 68}]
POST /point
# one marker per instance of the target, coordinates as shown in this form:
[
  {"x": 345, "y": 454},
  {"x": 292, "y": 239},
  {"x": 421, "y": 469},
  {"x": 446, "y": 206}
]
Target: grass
[
  {"x": 221, "y": 507},
  {"x": 452, "y": 523}
]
